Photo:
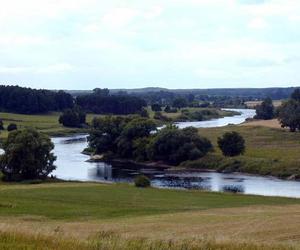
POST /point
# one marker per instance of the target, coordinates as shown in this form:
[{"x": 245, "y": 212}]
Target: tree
[
  {"x": 73, "y": 117},
  {"x": 289, "y": 115},
  {"x": 1, "y": 125},
  {"x": 180, "y": 103},
  {"x": 173, "y": 145},
  {"x": 27, "y": 155},
  {"x": 11, "y": 127},
  {"x": 265, "y": 110},
  {"x": 156, "y": 107},
  {"x": 231, "y": 144},
  {"x": 289, "y": 112}
]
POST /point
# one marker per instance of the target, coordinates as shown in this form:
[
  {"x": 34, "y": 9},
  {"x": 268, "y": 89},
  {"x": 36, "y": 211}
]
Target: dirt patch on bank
[{"x": 274, "y": 123}]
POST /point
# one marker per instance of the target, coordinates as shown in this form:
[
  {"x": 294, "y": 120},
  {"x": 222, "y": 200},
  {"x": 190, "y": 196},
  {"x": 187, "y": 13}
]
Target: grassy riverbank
[
  {"x": 119, "y": 216},
  {"x": 194, "y": 114},
  {"x": 47, "y": 123},
  {"x": 268, "y": 152}
]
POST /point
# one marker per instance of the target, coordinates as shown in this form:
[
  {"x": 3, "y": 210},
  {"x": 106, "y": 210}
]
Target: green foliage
[
  {"x": 180, "y": 103},
  {"x": 27, "y": 156},
  {"x": 32, "y": 101},
  {"x": 168, "y": 109},
  {"x": 11, "y": 127},
  {"x": 265, "y": 110},
  {"x": 289, "y": 112},
  {"x": 231, "y": 144},
  {"x": 155, "y": 107},
  {"x": 142, "y": 181},
  {"x": 74, "y": 117},
  {"x": 1, "y": 125},
  {"x": 100, "y": 102},
  {"x": 118, "y": 135},
  {"x": 173, "y": 145}
]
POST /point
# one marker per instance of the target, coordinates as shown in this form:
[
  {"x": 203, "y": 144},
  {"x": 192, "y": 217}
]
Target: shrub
[
  {"x": 142, "y": 181},
  {"x": 73, "y": 117},
  {"x": 231, "y": 144},
  {"x": 12, "y": 126},
  {"x": 233, "y": 189}
]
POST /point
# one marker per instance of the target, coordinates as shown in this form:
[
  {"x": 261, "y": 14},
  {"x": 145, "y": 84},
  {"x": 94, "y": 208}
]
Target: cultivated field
[{"x": 99, "y": 216}]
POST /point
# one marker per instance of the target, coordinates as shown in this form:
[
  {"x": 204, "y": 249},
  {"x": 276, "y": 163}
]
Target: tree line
[
  {"x": 32, "y": 101},
  {"x": 22, "y": 100}
]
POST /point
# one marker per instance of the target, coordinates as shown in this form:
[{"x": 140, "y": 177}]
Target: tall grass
[{"x": 111, "y": 241}]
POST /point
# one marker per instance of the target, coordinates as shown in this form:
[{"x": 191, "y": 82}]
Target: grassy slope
[
  {"x": 95, "y": 201},
  {"x": 122, "y": 217},
  {"x": 268, "y": 151},
  {"x": 47, "y": 123}
]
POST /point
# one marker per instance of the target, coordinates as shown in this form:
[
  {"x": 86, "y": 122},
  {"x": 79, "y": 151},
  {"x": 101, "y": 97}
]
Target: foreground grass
[
  {"x": 119, "y": 216},
  {"x": 268, "y": 152},
  {"x": 108, "y": 241},
  {"x": 95, "y": 201}
]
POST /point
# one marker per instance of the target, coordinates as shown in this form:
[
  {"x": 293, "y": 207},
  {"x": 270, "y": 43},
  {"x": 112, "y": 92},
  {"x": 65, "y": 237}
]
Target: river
[{"x": 72, "y": 165}]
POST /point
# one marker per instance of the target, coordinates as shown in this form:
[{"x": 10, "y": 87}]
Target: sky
[{"x": 84, "y": 44}]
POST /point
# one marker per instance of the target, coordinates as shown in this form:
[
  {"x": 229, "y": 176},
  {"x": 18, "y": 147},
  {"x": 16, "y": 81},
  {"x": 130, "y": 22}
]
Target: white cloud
[
  {"x": 55, "y": 68},
  {"x": 257, "y": 23}
]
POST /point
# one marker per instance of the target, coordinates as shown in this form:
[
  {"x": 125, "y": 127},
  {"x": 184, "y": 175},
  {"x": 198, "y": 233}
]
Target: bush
[
  {"x": 73, "y": 117},
  {"x": 1, "y": 125},
  {"x": 233, "y": 189},
  {"x": 142, "y": 181},
  {"x": 11, "y": 127},
  {"x": 231, "y": 144}
]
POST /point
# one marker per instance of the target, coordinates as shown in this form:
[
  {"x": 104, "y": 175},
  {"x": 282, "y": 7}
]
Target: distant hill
[{"x": 254, "y": 93}]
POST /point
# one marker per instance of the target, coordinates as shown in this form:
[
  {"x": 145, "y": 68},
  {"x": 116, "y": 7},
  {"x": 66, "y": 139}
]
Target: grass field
[
  {"x": 119, "y": 216},
  {"x": 47, "y": 123},
  {"x": 269, "y": 151},
  {"x": 253, "y": 104}
]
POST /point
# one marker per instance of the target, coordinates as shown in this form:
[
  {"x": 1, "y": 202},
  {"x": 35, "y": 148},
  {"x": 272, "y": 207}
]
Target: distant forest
[
  {"x": 34, "y": 101},
  {"x": 103, "y": 101}
]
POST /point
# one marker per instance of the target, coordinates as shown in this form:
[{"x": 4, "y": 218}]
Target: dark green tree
[
  {"x": 74, "y": 117},
  {"x": 265, "y": 110},
  {"x": 27, "y": 155},
  {"x": 289, "y": 112},
  {"x": 156, "y": 107},
  {"x": 231, "y": 144},
  {"x": 173, "y": 145},
  {"x": 180, "y": 103}
]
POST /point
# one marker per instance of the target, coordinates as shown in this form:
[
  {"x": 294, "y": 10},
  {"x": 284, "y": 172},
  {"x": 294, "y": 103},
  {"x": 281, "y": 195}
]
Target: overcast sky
[{"x": 83, "y": 44}]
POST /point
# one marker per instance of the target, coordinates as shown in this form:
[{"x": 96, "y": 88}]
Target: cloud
[
  {"x": 48, "y": 69},
  {"x": 257, "y": 23}
]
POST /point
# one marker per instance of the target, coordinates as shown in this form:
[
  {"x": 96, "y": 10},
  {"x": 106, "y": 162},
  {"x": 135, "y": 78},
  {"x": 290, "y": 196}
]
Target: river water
[{"x": 72, "y": 165}]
